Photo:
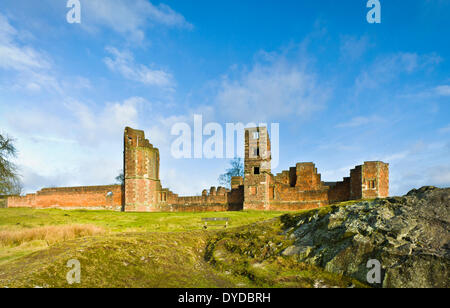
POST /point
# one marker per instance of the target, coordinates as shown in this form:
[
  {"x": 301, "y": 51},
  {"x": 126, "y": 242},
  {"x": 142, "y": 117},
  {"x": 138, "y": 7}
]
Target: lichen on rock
[{"x": 408, "y": 235}]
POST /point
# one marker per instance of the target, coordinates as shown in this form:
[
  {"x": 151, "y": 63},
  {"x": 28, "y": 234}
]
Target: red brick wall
[
  {"x": 356, "y": 183},
  {"x": 383, "y": 185},
  {"x": 283, "y": 178},
  {"x": 219, "y": 199},
  {"x": 287, "y": 198},
  {"x": 307, "y": 177},
  {"x": 340, "y": 192},
  {"x": 370, "y": 180},
  {"x": 375, "y": 180},
  {"x": 256, "y": 186},
  {"x": 297, "y": 189},
  {"x": 88, "y": 197},
  {"x": 183, "y": 208},
  {"x": 141, "y": 170}
]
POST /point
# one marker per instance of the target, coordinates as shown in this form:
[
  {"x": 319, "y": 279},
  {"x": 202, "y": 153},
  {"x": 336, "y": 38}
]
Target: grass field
[
  {"x": 18, "y": 218},
  {"x": 151, "y": 250},
  {"x": 23, "y": 223}
]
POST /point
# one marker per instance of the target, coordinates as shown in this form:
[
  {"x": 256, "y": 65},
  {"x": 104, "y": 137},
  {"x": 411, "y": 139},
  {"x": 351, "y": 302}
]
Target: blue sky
[{"x": 343, "y": 91}]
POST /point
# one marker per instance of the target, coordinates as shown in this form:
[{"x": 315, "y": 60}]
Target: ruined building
[
  {"x": 143, "y": 191},
  {"x": 300, "y": 187}
]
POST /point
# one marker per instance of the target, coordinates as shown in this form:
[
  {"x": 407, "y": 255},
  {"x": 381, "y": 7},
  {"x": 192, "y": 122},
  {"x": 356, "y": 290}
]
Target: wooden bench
[{"x": 215, "y": 219}]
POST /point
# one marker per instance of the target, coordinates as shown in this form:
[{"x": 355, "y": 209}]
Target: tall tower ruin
[
  {"x": 257, "y": 169},
  {"x": 141, "y": 172}
]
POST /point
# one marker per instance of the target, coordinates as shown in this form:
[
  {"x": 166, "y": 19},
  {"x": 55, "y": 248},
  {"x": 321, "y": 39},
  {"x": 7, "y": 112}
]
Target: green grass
[
  {"x": 121, "y": 260},
  {"x": 174, "y": 259},
  {"x": 17, "y": 218},
  {"x": 161, "y": 250}
]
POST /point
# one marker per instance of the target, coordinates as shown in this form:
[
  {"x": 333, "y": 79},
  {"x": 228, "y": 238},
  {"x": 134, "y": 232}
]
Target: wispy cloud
[
  {"x": 123, "y": 63},
  {"x": 29, "y": 68},
  {"x": 440, "y": 176},
  {"x": 94, "y": 127},
  {"x": 360, "y": 121},
  {"x": 75, "y": 121},
  {"x": 443, "y": 90},
  {"x": 353, "y": 48},
  {"x": 388, "y": 68},
  {"x": 131, "y": 17},
  {"x": 15, "y": 56},
  {"x": 430, "y": 92},
  {"x": 408, "y": 171},
  {"x": 276, "y": 88},
  {"x": 445, "y": 129},
  {"x": 62, "y": 147}
]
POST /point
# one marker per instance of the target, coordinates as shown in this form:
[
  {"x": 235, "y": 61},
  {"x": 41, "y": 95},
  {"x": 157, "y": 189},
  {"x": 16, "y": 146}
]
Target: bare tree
[
  {"x": 120, "y": 178},
  {"x": 236, "y": 169},
  {"x": 10, "y": 183}
]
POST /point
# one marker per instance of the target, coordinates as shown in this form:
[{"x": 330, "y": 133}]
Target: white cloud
[
  {"x": 396, "y": 156},
  {"x": 387, "y": 68},
  {"x": 131, "y": 18},
  {"x": 30, "y": 69},
  {"x": 27, "y": 67},
  {"x": 75, "y": 122},
  {"x": 7, "y": 32},
  {"x": 183, "y": 183},
  {"x": 96, "y": 126},
  {"x": 354, "y": 48},
  {"x": 428, "y": 93},
  {"x": 359, "y": 121},
  {"x": 39, "y": 138},
  {"x": 407, "y": 170},
  {"x": 272, "y": 90},
  {"x": 123, "y": 63},
  {"x": 443, "y": 90},
  {"x": 31, "y": 121},
  {"x": 440, "y": 176},
  {"x": 445, "y": 129},
  {"x": 79, "y": 147},
  {"x": 81, "y": 143},
  {"x": 20, "y": 58}
]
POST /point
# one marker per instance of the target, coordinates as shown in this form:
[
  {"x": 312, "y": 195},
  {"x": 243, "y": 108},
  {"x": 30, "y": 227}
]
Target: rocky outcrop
[{"x": 408, "y": 235}]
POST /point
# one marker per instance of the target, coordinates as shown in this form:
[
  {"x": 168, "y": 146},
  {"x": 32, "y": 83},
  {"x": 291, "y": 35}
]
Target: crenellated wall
[
  {"x": 215, "y": 200},
  {"x": 300, "y": 187},
  {"x": 297, "y": 189}
]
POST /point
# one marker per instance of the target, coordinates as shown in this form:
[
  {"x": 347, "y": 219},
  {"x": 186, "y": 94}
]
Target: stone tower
[
  {"x": 141, "y": 172},
  {"x": 369, "y": 181},
  {"x": 257, "y": 169}
]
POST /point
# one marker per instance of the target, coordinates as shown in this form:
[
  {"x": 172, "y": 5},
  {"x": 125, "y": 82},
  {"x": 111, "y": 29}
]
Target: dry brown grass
[{"x": 50, "y": 234}]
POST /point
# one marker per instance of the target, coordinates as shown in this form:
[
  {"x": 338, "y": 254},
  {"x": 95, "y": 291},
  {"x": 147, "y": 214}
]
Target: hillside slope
[
  {"x": 150, "y": 260},
  {"x": 327, "y": 247}
]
